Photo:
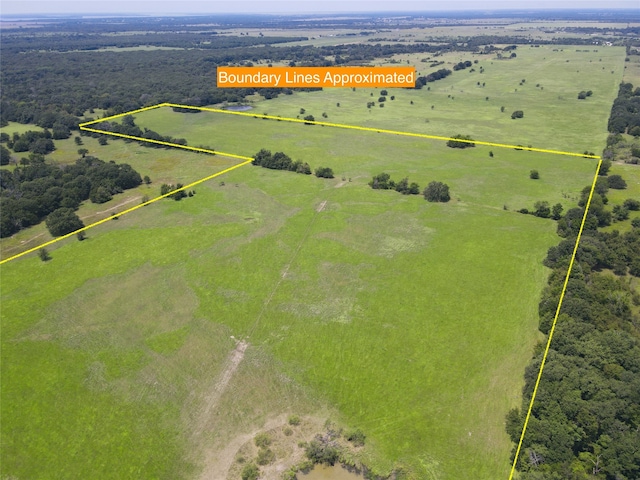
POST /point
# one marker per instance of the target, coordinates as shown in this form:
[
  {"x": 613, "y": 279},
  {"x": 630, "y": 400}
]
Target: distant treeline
[
  {"x": 31, "y": 192},
  {"x": 625, "y": 112},
  {"x": 95, "y": 41},
  {"x": 122, "y": 81}
]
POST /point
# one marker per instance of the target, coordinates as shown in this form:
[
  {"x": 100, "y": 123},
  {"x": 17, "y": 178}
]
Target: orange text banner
[{"x": 315, "y": 77}]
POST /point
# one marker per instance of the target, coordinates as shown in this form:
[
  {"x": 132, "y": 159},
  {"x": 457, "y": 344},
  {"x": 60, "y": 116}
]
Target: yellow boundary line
[
  {"x": 84, "y": 126},
  {"x": 381, "y": 130},
  {"x": 555, "y": 320},
  {"x": 124, "y": 212}
]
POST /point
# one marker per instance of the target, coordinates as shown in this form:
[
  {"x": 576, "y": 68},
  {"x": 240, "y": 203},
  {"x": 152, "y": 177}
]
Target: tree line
[
  {"x": 282, "y": 161},
  {"x": 129, "y": 127},
  {"x": 434, "y": 192},
  {"x": 31, "y": 192},
  {"x": 585, "y": 422},
  {"x": 625, "y": 112}
]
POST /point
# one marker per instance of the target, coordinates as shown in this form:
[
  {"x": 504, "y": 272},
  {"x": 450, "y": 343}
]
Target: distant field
[
  {"x": 410, "y": 320},
  {"x": 553, "y": 115}
]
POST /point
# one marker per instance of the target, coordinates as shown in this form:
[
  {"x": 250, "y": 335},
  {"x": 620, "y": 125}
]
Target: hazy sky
[{"x": 151, "y": 7}]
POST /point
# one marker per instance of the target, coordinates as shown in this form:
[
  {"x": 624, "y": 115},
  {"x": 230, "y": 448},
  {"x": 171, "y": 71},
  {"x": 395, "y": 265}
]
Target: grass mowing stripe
[
  {"x": 144, "y": 204},
  {"x": 553, "y": 325}
]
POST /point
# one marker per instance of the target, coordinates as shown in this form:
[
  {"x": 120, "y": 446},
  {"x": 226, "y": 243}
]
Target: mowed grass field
[{"x": 412, "y": 321}]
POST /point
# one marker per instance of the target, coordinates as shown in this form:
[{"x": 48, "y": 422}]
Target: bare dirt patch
[{"x": 321, "y": 206}]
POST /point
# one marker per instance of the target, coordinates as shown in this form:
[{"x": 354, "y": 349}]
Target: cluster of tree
[
  {"x": 585, "y": 421},
  {"x": 543, "y": 210},
  {"x": 583, "y": 95},
  {"x": 179, "y": 194},
  {"x": 432, "y": 77},
  {"x": 31, "y": 192},
  {"x": 462, "y": 65},
  {"x": 128, "y": 127},
  {"x": 461, "y": 144},
  {"x": 437, "y": 192},
  {"x": 625, "y": 112},
  {"x": 383, "y": 181},
  {"x": 280, "y": 161},
  {"x": 31, "y": 141}
]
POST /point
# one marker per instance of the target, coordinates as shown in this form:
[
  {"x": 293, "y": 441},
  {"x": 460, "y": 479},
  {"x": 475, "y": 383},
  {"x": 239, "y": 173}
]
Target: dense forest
[
  {"x": 31, "y": 192},
  {"x": 585, "y": 422},
  {"x": 58, "y": 70}
]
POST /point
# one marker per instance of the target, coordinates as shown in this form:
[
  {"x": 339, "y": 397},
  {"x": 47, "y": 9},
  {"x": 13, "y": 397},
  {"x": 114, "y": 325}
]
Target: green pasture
[
  {"x": 553, "y": 116},
  {"x": 413, "y": 320},
  {"x": 409, "y": 320}
]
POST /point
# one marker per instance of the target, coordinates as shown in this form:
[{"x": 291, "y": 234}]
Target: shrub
[
  {"x": 324, "y": 172},
  {"x": 517, "y": 114},
  {"x": 262, "y": 440},
  {"x": 320, "y": 452},
  {"x": 294, "y": 420},
  {"x": 631, "y": 204},
  {"x": 44, "y": 255},
  {"x": 250, "y": 472},
  {"x": 356, "y": 437},
  {"x": 265, "y": 456},
  {"x": 616, "y": 182}
]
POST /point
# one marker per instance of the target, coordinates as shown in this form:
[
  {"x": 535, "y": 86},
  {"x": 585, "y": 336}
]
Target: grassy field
[{"x": 412, "y": 321}]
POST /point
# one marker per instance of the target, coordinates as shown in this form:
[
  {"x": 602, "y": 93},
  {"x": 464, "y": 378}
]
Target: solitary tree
[
  {"x": 44, "y": 255},
  {"x": 534, "y": 175},
  {"x": 517, "y": 114},
  {"x": 324, "y": 172},
  {"x": 437, "y": 192},
  {"x": 616, "y": 182}
]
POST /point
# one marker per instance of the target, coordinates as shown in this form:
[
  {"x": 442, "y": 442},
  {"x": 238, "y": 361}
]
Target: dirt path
[
  {"x": 212, "y": 397},
  {"x": 133, "y": 199},
  {"x": 321, "y": 206}
]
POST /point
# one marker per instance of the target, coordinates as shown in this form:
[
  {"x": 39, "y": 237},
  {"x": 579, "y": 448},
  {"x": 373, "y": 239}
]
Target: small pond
[
  {"x": 238, "y": 108},
  {"x": 322, "y": 472}
]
